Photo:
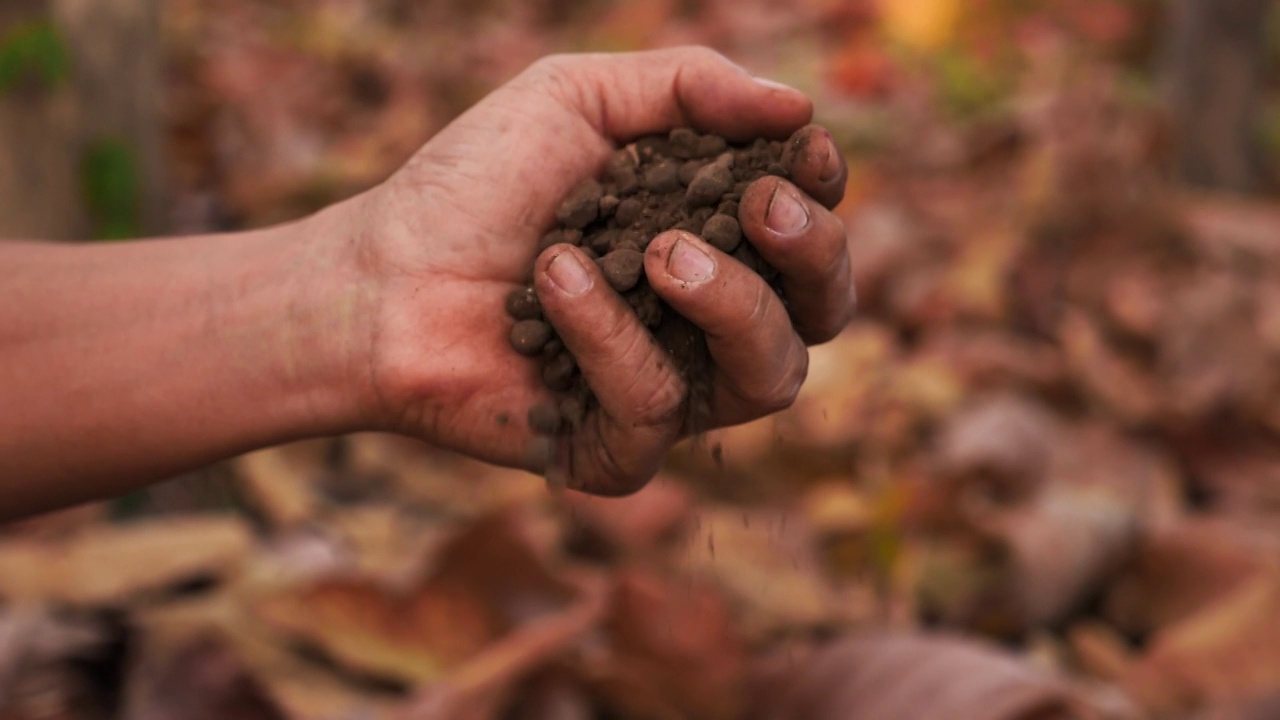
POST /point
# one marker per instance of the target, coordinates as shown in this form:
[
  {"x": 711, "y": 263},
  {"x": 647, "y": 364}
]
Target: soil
[{"x": 684, "y": 180}]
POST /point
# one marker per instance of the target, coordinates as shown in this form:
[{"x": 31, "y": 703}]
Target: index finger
[{"x": 626, "y": 95}]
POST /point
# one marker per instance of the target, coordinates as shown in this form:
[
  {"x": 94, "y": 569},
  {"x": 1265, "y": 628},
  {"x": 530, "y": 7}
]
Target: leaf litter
[{"x": 1035, "y": 479}]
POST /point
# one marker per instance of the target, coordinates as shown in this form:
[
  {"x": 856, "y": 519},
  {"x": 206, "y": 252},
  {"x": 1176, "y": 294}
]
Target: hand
[{"x": 446, "y": 239}]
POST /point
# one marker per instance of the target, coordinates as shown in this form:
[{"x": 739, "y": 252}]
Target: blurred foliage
[
  {"x": 1053, "y": 424},
  {"x": 35, "y": 50},
  {"x": 111, "y": 188}
]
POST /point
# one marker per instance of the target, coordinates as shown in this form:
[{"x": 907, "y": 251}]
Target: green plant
[
  {"x": 33, "y": 49},
  {"x": 111, "y": 185}
]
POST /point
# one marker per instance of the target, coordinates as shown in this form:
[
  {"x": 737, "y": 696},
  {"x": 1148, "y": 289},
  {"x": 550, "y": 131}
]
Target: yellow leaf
[
  {"x": 112, "y": 563},
  {"x": 921, "y": 25}
]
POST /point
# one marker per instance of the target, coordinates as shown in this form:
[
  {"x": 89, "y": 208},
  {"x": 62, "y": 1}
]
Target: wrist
[{"x": 328, "y": 322}]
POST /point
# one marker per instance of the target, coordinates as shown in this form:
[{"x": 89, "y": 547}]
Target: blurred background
[{"x": 1037, "y": 478}]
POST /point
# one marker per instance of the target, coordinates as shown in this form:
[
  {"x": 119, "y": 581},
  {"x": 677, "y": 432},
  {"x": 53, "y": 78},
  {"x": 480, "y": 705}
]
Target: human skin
[{"x": 125, "y": 363}]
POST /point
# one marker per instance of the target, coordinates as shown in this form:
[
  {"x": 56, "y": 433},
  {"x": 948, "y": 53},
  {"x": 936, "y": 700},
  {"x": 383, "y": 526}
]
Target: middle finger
[{"x": 761, "y": 361}]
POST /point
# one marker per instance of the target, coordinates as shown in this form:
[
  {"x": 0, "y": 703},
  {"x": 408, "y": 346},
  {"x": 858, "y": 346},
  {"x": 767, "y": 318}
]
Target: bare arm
[{"x": 122, "y": 363}]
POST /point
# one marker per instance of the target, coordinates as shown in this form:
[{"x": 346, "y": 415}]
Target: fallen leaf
[
  {"x": 768, "y": 564},
  {"x": 1100, "y": 651},
  {"x": 485, "y": 583},
  {"x": 109, "y": 564},
  {"x": 921, "y": 25},
  {"x": 478, "y": 688},
  {"x": 33, "y": 639},
  {"x": 198, "y": 680},
  {"x": 999, "y": 447},
  {"x": 280, "y": 482},
  {"x": 1181, "y": 569},
  {"x": 671, "y": 650},
  {"x": 887, "y": 677},
  {"x": 634, "y": 525},
  {"x": 1031, "y": 563},
  {"x": 1227, "y": 651}
]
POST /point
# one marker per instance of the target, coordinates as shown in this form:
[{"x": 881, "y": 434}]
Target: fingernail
[
  {"x": 687, "y": 262},
  {"x": 786, "y": 215},
  {"x": 830, "y": 166},
  {"x": 567, "y": 274},
  {"x": 773, "y": 84}
]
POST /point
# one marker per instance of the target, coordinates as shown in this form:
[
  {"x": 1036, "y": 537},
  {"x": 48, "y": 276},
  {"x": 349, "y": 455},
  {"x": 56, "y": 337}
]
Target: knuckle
[
  {"x": 761, "y": 303},
  {"x": 609, "y": 474},
  {"x": 822, "y": 255},
  {"x": 551, "y": 65},
  {"x": 656, "y": 400},
  {"x": 661, "y": 406},
  {"x": 826, "y": 332},
  {"x": 850, "y": 307},
  {"x": 614, "y": 479},
  {"x": 559, "y": 76},
  {"x": 835, "y": 321},
  {"x": 783, "y": 392},
  {"x": 701, "y": 54}
]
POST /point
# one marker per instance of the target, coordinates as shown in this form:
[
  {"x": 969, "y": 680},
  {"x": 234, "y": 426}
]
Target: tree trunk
[
  {"x": 1213, "y": 72},
  {"x": 39, "y": 138},
  {"x": 95, "y": 134}
]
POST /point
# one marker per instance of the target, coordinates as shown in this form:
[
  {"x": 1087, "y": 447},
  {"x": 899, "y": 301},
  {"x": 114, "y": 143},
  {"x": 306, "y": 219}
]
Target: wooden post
[
  {"x": 1214, "y": 64},
  {"x": 39, "y": 140},
  {"x": 109, "y": 100}
]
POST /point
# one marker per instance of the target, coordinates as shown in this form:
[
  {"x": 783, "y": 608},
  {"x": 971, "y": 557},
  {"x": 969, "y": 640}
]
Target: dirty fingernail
[
  {"x": 773, "y": 84},
  {"x": 689, "y": 263},
  {"x": 567, "y": 273},
  {"x": 830, "y": 166},
  {"x": 786, "y": 215}
]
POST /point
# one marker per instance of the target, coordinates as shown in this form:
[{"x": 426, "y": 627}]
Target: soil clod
[
  {"x": 683, "y": 180},
  {"x": 622, "y": 268},
  {"x": 522, "y": 304},
  {"x": 529, "y": 336}
]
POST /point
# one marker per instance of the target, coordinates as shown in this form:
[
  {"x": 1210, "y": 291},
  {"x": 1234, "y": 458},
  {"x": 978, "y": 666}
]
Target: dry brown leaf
[
  {"x": 887, "y": 677},
  {"x": 486, "y": 582},
  {"x": 834, "y": 507},
  {"x": 553, "y": 695},
  {"x": 1225, "y": 227},
  {"x": 633, "y": 525},
  {"x": 1101, "y": 494},
  {"x": 201, "y": 679},
  {"x": 1227, "y": 651},
  {"x": 1118, "y": 382},
  {"x": 1263, "y": 708},
  {"x": 838, "y": 404},
  {"x": 109, "y": 564},
  {"x": 1000, "y": 448},
  {"x": 767, "y": 561},
  {"x": 1183, "y": 568},
  {"x": 444, "y": 482},
  {"x": 976, "y": 281},
  {"x": 384, "y": 541},
  {"x": 989, "y": 359},
  {"x": 671, "y": 651},
  {"x": 1100, "y": 651},
  {"x": 37, "y": 654},
  {"x": 1210, "y": 358},
  {"x": 1032, "y": 562},
  {"x": 58, "y": 523},
  {"x": 479, "y": 688},
  {"x": 1240, "y": 480},
  {"x": 301, "y": 687},
  {"x": 280, "y": 482}
]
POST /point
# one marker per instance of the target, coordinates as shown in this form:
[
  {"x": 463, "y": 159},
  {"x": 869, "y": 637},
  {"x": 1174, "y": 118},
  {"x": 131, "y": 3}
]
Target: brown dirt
[{"x": 684, "y": 181}]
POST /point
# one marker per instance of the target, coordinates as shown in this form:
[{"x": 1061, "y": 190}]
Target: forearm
[{"x": 124, "y": 363}]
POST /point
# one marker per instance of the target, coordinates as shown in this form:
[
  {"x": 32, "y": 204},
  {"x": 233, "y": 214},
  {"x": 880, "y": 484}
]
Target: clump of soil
[{"x": 685, "y": 181}]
